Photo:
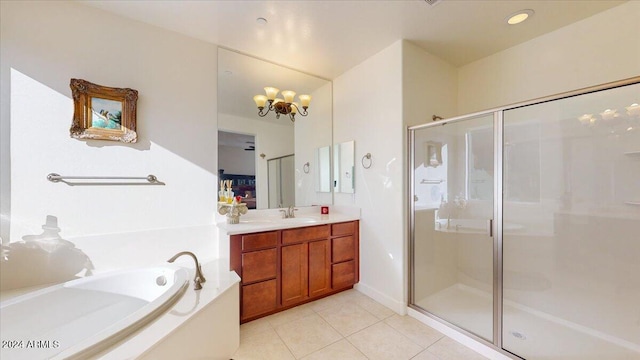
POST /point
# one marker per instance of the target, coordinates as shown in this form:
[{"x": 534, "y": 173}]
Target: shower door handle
[{"x": 490, "y": 227}]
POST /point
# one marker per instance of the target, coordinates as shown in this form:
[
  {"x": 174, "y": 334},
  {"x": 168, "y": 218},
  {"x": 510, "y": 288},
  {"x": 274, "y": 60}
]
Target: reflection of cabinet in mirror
[
  {"x": 323, "y": 159},
  {"x": 344, "y": 167},
  {"x": 281, "y": 175}
]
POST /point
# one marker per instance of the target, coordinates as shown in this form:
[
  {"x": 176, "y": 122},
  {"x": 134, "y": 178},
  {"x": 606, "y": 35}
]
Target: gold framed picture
[{"x": 103, "y": 113}]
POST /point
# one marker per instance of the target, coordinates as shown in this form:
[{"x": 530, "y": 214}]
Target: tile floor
[{"x": 347, "y": 325}]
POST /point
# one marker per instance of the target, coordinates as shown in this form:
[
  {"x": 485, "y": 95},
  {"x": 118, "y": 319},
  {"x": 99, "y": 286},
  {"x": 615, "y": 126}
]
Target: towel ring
[
  {"x": 305, "y": 167},
  {"x": 367, "y": 158}
]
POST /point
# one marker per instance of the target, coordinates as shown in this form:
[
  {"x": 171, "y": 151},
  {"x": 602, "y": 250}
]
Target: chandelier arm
[
  {"x": 301, "y": 111},
  {"x": 263, "y": 113}
]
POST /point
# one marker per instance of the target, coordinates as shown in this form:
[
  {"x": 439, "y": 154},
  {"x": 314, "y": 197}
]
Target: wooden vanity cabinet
[{"x": 284, "y": 268}]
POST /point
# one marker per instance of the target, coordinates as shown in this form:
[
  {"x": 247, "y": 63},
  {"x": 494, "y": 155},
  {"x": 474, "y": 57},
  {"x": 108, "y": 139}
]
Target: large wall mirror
[{"x": 240, "y": 78}]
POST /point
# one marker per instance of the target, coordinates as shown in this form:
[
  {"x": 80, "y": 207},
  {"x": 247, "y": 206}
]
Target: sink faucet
[
  {"x": 289, "y": 212},
  {"x": 199, "y": 278}
]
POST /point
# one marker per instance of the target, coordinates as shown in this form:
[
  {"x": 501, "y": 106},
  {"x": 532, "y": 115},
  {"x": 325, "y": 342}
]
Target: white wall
[
  {"x": 596, "y": 50},
  {"x": 43, "y": 46},
  {"x": 368, "y": 109},
  {"x": 273, "y": 140},
  {"x": 413, "y": 85},
  {"x": 429, "y": 87}
]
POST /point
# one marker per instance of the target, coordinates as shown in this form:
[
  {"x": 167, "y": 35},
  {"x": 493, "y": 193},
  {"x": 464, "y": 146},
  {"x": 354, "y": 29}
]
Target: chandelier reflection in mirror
[
  {"x": 280, "y": 106},
  {"x": 614, "y": 121}
]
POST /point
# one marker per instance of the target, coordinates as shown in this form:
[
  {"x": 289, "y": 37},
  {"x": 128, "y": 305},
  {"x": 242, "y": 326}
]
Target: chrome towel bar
[{"x": 150, "y": 180}]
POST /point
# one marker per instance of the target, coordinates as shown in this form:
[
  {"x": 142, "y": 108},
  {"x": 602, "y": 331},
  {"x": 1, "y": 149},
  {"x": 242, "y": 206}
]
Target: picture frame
[{"x": 103, "y": 113}]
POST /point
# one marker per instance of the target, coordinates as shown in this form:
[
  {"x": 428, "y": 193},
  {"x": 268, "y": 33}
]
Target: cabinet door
[
  {"x": 258, "y": 298},
  {"x": 294, "y": 273},
  {"x": 319, "y": 267}
]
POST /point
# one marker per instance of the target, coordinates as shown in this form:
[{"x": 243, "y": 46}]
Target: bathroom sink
[
  {"x": 257, "y": 221},
  {"x": 300, "y": 220},
  {"x": 278, "y": 220}
]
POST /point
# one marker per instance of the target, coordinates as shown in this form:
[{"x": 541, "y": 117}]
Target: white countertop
[{"x": 271, "y": 219}]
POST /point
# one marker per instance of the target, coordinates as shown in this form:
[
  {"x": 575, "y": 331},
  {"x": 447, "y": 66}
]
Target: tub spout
[{"x": 199, "y": 278}]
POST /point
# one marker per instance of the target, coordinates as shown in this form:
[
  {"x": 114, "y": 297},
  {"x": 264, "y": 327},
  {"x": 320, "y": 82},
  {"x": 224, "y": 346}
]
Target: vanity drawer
[
  {"x": 343, "y": 274},
  {"x": 306, "y": 233},
  {"x": 259, "y": 265},
  {"x": 346, "y": 228},
  {"x": 264, "y": 240},
  {"x": 343, "y": 249}
]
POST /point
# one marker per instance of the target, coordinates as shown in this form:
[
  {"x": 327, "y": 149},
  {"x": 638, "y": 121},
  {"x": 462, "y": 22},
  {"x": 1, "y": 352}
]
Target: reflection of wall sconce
[
  {"x": 433, "y": 152},
  {"x": 280, "y": 106},
  {"x": 262, "y": 155}
]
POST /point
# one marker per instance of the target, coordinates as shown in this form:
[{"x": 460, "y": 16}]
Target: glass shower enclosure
[{"x": 525, "y": 224}]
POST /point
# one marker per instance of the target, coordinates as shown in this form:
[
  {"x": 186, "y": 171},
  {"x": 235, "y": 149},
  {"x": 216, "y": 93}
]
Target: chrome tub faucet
[{"x": 199, "y": 278}]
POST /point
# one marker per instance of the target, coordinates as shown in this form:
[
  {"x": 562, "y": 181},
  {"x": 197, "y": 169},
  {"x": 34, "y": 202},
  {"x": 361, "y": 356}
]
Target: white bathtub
[{"x": 81, "y": 317}]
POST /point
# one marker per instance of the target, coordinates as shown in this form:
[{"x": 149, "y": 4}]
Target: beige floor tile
[
  {"x": 425, "y": 355},
  {"x": 341, "y": 350},
  {"x": 326, "y": 303},
  {"x": 254, "y": 327},
  {"x": 449, "y": 349},
  {"x": 292, "y": 314},
  {"x": 266, "y": 345},
  {"x": 306, "y": 335},
  {"x": 350, "y": 295},
  {"x": 416, "y": 331},
  {"x": 375, "y": 308},
  {"x": 348, "y": 318},
  {"x": 380, "y": 341}
]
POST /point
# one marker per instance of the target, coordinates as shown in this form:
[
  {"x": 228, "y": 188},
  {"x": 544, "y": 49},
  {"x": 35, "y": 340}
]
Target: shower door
[
  {"x": 571, "y": 229},
  {"x": 453, "y": 207},
  {"x": 556, "y": 275}
]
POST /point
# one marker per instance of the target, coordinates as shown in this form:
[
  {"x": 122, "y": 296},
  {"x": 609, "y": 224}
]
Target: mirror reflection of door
[
  {"x": 281, "y": 175},
  {"x": 237, "y": 162}
]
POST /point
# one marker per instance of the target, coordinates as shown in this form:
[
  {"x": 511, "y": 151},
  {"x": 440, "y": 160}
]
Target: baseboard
[{"x": 397, "y": 306}]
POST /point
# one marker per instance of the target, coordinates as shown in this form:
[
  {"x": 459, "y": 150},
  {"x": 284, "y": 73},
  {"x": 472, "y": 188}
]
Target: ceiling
[
  {"x": 236, "y": 140},
  {"x": 327, "y": 38}
]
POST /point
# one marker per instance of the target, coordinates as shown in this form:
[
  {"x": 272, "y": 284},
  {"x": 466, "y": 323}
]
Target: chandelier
[{"x": 280, "y": 106}]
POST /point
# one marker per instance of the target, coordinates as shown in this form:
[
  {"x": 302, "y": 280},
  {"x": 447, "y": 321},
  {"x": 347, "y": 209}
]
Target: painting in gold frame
[{"x": 103, "y": 113}]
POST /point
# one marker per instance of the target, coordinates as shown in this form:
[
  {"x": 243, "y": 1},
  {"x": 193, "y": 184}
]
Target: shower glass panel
[
  {"x": 452, "y": 250},
  {"x": 571, "y": 232}
]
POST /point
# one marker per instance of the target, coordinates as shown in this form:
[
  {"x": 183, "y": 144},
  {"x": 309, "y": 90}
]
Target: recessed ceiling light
[
  {"x": 518, "y": 17},
  {"x": 261, "y": 21}
]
